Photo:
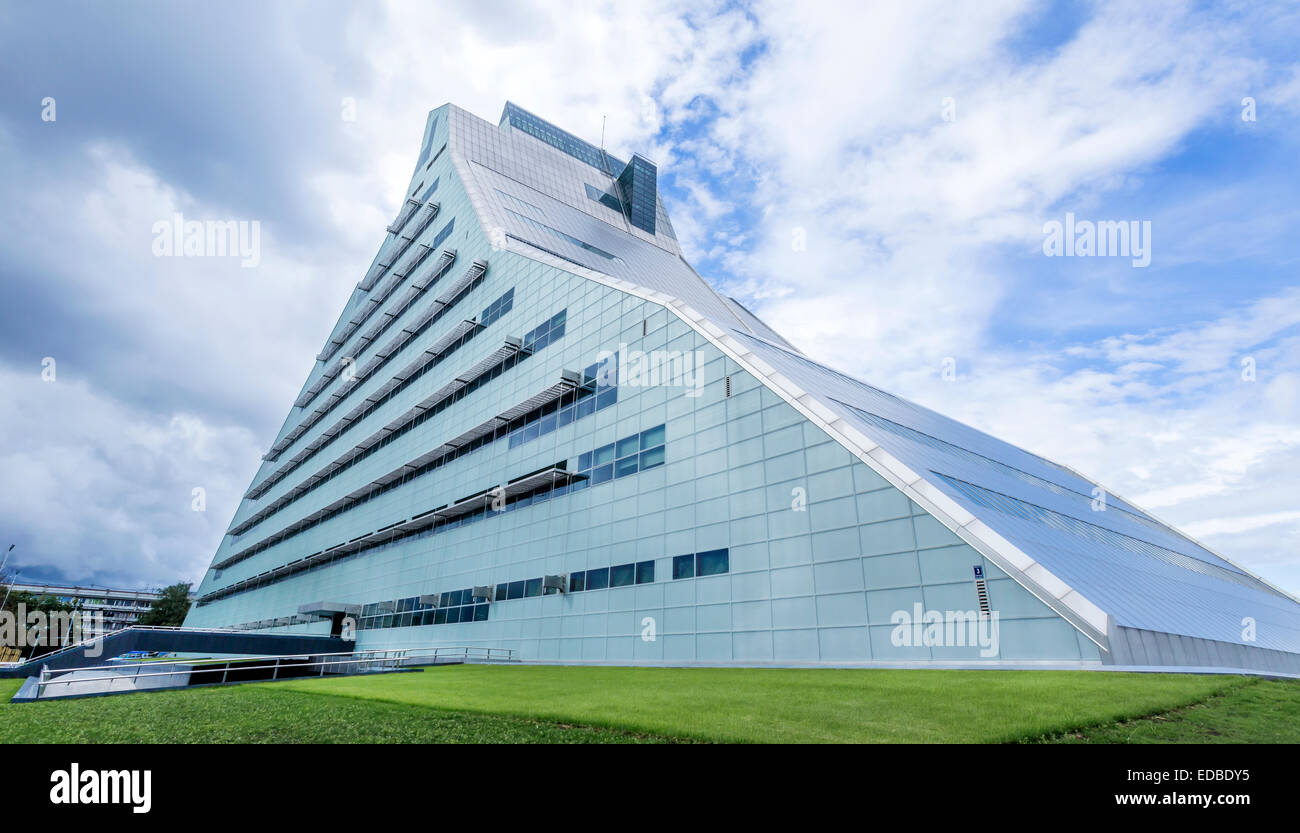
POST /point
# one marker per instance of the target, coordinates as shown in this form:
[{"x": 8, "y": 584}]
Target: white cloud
[{"x": 104, "y": 492}]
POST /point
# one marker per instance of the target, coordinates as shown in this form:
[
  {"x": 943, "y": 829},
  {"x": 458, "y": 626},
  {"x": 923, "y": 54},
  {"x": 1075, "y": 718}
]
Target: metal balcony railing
[{"x": 346, "y": 663}]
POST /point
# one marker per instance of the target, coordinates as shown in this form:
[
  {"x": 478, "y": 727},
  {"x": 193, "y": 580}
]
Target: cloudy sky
[{"x": 875, "y": 184}]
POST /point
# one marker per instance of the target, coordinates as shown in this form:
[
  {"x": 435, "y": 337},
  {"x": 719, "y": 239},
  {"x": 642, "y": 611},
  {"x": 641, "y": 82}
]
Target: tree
[{"x": 170, "y": 607}]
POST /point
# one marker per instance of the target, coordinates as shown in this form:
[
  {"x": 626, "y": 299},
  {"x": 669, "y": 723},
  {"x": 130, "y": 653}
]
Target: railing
[
  {"x": 350, "y": 662},
  {"x": 63, "y": 649}
]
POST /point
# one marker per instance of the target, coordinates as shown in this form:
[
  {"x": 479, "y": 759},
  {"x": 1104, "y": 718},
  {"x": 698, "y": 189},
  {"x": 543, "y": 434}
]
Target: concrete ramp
[{"x": 97, "y": 652}]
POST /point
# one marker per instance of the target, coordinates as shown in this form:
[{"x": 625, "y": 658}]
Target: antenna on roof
[{"x": 604, "y": 158}]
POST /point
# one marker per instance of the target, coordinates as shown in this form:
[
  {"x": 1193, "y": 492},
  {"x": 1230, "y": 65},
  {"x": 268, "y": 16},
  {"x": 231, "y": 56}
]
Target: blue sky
[{"x": 823, "y": 123}]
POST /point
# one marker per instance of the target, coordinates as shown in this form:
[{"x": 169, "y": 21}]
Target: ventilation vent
[
  {"x": 644, "y": 326},
  {"x": 728, "y": 386},
  {"x": 982, "y": 591}
]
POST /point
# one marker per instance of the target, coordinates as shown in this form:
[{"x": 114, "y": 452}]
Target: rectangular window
[
  {"x": 645, "y": 572},
  {"x": 626, "y": 446},
  {"x": 653, "y": 457},
  {"x": 598, "y": 579},
  {"x": 577, "y": 581},
  {"x": 503, "y": 592},
  {"x": 711, "y": 563},
  {"x": 684, "y": 566},
  {"x": 652, "y": 437},
  {"x": 516, "y": 590},
  {"x": 533, "y": 587},
  {"x": 622, "y": 575}
]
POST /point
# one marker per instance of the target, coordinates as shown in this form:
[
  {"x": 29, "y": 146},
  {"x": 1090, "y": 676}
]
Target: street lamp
[{"x": 12, "y": 582}]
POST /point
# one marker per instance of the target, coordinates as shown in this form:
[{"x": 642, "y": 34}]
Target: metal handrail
[
  {"x": 396, "y": 656},
  {"x": 92, "y": 639}
]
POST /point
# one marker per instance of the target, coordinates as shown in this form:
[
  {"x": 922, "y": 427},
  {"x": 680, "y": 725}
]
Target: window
[
  {"x": 711, "y": 563},
  {"x": 622, "y": 575},
  {"x": 577, "y": 581},
  {"x": 622, "y": 458},
  {"x": 533, "y": 587},
  {"x": 598, "y": 579},
  {"x": 645, "y": 572},
  {"x": 498, "y": 308},
  {"x": 545, "y": 333}
]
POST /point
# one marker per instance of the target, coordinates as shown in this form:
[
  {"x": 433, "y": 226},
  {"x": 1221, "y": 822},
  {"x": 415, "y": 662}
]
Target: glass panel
[
  {"x": 577, "y": 581},
  {"x": 622, "y": 575},
  {"x": 645, "y": 572},
  {"x": 625, "y": 466},
  {"x": 598, "y": 579},
  {"x": 684, "y": 566},
  {"x": 533, "y": 587},
  {"x": 516, "y": 589},
  {"x": 480, "y": 613},
  {"x": 604, "y": 454},
  {"x": 653, "y": 457},
  {"x": 602, "y": 474},
  {"x": 626, "y": 446},
  {"x": 652, "y": 437},
  {"x": 711, "y": 563}
]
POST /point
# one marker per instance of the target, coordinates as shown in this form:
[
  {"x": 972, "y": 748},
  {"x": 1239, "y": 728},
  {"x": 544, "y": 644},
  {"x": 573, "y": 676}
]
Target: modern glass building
[{"x": 535, "y": 427}]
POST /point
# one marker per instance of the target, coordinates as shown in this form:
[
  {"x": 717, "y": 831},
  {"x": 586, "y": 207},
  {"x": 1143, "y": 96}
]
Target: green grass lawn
[
  {"x": 1266, "y": 712},
  {"x": 268, "y": 713},
  {"x": 478, "y": 703}
]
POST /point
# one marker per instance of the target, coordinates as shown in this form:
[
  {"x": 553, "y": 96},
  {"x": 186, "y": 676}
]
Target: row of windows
[
  {"x": 561, "y": 140},
  {"x": 546, "y": 332},
  {"x": 462, "y": 606},
  {"x": 559, "y": 413},
  {"x": 373, "y": 336},
  {"x": 429, "y": 413},
  {"x": 373, "y": 404},
  {"x": 497, "y": 308},
  {"x": 312, "y": 562},
  {"x": 627, "y": 456},
  {"x": 711, "y": 563},
  {"x": 284, "y": 500},
  {"x": 623, "y": 575},
  {"x": 451, "y": 608}
]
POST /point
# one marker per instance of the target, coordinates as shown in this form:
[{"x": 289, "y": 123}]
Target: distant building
[{"x": 121, "y": 608}]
